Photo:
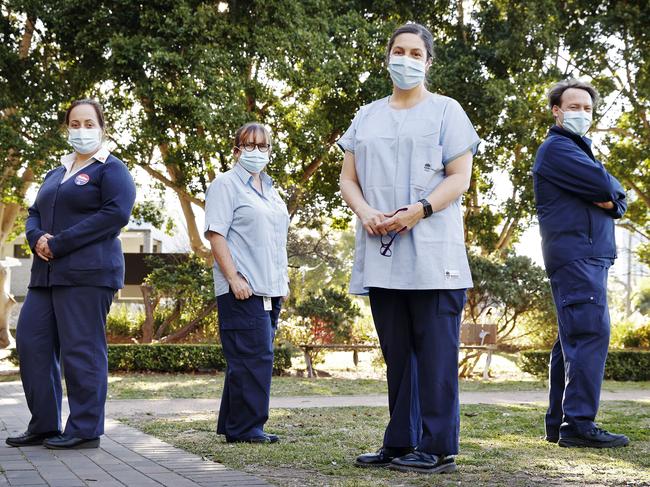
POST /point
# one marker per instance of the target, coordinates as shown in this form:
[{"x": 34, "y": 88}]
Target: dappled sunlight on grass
[{"x": 500, "y": 445}]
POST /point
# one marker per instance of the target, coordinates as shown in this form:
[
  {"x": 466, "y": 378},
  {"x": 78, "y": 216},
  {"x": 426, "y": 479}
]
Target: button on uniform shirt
[
  {"x": 400, "y": 158},
  {"x": 255, "y": 227}
]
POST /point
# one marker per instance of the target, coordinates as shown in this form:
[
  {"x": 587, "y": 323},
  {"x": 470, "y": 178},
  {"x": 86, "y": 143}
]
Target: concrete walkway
[
  {"x": 164, "y": 407},
  {"x": 127, "y": 457}
]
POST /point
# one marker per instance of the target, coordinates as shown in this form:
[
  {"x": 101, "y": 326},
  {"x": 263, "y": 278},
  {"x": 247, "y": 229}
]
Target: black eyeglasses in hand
[{"x": 385, "y": 246}]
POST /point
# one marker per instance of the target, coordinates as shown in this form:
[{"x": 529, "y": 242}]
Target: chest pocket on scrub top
[{"x": 425, "y": 161}]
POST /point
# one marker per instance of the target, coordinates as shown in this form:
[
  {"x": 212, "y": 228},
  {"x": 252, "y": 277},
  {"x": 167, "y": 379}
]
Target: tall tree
[{"x": 608, "y": 42}]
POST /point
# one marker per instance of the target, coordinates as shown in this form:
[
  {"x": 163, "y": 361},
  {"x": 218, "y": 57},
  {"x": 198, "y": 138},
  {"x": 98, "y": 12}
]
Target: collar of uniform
[
  {"x": 245, "y": 176},
  {"x": 560, "y": 131},
  {"x": 101, "y": 155}
]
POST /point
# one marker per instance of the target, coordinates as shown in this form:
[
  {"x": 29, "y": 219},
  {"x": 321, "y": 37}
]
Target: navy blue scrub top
[{"x": 85, "y": 214}]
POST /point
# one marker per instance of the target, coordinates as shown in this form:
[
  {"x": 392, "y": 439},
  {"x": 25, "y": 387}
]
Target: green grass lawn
[{"x": 499, "y": 446}]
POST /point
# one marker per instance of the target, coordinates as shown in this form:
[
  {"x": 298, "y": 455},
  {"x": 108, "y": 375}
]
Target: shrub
[
  {"x": 638, "y": 337},
  {"x": 175, "y": 358},
  {"x": 632, "y": 365},
  {"x": 121, "y": 323}
]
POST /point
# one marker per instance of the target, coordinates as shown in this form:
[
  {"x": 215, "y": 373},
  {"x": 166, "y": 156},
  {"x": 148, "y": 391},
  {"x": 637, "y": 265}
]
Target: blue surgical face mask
[
  {"x": 85, "y": 141},
  {"x": 406, "y": 72},
  {"x": 254, "y": 161},
  {"x": 576, "y": 122}
]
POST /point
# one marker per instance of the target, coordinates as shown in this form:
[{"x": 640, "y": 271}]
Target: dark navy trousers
[
  {"x": 247, "y": 332},
  {"x": 577, "y": 363},
  {"x": 419, "y": 336},
  {"x": 65, "y": 324}
]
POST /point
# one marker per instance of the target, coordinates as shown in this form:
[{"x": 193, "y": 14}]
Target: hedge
[
  {"x": 175, "y": 358},
  {"x": 633, "y": 365}
]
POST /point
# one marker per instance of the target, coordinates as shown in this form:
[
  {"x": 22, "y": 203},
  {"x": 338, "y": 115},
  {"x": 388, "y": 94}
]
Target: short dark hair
[
  {"x": 557, "y": 90},
  {"x": 412, "y": 28},
  {"x": 87, "y": 101},
  {"x": 251, "y": 127}
]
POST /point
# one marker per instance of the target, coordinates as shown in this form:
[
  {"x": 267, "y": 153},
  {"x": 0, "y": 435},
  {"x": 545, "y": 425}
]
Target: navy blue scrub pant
[
  {"x": 577, "y": 363},
  {"x": 247, "y": 332},
  {"x": 67, "y": 324},
  {"x": 419, "y": 336}
]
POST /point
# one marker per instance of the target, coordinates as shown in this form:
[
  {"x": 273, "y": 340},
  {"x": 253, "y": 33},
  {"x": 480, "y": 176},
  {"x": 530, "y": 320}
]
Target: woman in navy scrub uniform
[
  {"x": 72, "y": 229},
  {"x": 408, "y": 160}
]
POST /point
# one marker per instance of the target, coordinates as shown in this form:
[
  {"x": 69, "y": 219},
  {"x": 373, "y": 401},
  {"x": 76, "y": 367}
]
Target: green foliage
[
  {"x": 621, "y": 364},
  {"x": 121, "y": 323},
  {"x": 153, "y": 212},
  {"x": 175, "y": 358},
  {"x": 329, "y": 315},
  {"x": 186, "y": 288},
  {"x": 642, "y": 300},
  {"x": 635, "y": 336},
  {"x": 510, "y": 292}
]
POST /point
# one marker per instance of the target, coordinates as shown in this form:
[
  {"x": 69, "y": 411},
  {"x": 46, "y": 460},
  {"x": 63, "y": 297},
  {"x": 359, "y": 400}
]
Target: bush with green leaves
[
  {"x": 122, "y": 323},
  {"x": 624, "y": 365},
  {"x": 514, "y": 293},
  {"x": 176, "y": 358},
  {"x": 183, "y": 297}
]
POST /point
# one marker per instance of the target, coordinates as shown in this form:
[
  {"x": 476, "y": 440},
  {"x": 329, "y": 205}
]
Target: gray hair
[{"x": 555, "y": 93}]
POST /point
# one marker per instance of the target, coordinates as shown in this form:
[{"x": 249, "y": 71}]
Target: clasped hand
[
  {"x": 377, "y": 223},
  {"x": 43, "y": 249}
]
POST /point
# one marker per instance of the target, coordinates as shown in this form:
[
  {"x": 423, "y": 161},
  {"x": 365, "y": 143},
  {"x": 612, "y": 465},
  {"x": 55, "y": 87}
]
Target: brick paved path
[{"x": 127, "y": 457}]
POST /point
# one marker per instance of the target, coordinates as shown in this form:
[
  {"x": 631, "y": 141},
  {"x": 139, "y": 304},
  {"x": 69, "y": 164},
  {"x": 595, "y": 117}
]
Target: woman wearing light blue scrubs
[
  {"x": 246, "y": 223},
  {"x": 408, "y": 160}
]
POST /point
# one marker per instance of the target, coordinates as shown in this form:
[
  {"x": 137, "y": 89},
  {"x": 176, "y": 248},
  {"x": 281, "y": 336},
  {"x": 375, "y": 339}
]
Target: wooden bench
[
  {"x": 472, "y": 337},
  {"x": 355, "y": 349},
  {"x": 481, "y": 337}
]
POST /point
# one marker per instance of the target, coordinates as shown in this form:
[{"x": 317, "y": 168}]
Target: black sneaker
[
  {"x": 422, "y": 462},
  {"x": 381, "y": 458},
  {"x": 266, "y": 438},
  {"x": 594, "y": 438},
  {"x": 550, "y": 438}
]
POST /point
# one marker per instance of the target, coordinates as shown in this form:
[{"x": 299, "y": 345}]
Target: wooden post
[{"x": 147, "y": 326}]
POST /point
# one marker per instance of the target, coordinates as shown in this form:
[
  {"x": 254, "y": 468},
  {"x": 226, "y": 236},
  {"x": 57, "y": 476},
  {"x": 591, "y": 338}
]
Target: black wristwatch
[{"x": 428, "y": 211}]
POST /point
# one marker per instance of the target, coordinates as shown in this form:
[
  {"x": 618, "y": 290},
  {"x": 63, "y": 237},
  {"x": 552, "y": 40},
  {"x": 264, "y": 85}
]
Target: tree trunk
[
  {"x": 7, "y": 302},
  {"x": 191, "y": 326},
  {"x": 149, "y": 308}
]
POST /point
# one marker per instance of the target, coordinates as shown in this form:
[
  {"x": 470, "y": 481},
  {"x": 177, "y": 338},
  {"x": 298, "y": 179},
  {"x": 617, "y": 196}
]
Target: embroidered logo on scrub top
[
  {"x": 452, "y": 274},
  {"x": 427, "y": 167},
  {"x": 81, "y": 179}
]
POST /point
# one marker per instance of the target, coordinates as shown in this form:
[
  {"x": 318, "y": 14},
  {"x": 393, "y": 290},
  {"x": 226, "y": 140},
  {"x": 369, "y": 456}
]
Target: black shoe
[
  {"x": 30, "y": 439},
  {"x": 67, "y": 442},
  {"x": 594, "y": 438},
  {"x": 422, "y": 462},
  {"x": 264, "y": 439},
  {"x": 381, "y": 458}
]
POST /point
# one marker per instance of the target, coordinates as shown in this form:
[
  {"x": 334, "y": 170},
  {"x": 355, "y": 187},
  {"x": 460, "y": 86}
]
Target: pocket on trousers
[
  {"x": 583, "y": 313},
  {"x": 451, "y": 301},
  {"x": 253, "y": 342}
]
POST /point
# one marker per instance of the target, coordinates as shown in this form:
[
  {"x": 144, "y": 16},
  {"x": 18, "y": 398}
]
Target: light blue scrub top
[
  {"x": 255, "y": 227},
  {"x": 400, "y": 157}
]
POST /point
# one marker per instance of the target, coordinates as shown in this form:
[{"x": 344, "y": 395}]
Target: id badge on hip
[{"x": 267, "y": 303}]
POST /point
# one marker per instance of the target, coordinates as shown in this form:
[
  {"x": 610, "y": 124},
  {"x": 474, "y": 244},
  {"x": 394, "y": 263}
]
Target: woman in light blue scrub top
[
  {"x": 408, "y": 160},
  {"x": 246, "y": 222}
]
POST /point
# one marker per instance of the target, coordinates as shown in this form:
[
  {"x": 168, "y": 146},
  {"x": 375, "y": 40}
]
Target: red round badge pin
[{"x": 81, "y": 179}]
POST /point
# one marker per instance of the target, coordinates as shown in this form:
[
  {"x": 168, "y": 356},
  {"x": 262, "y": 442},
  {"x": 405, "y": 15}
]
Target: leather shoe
[
  {"x": 67, "y": 442},
  {"x": 422, "y": 462},
  {"x": 30, "y": 439},
  {"x": 266, "y": 438},
  {"x": 381, "y": 458},
  {"x": 550, "y": 439},
  {"x": 594, "y": 438}
]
